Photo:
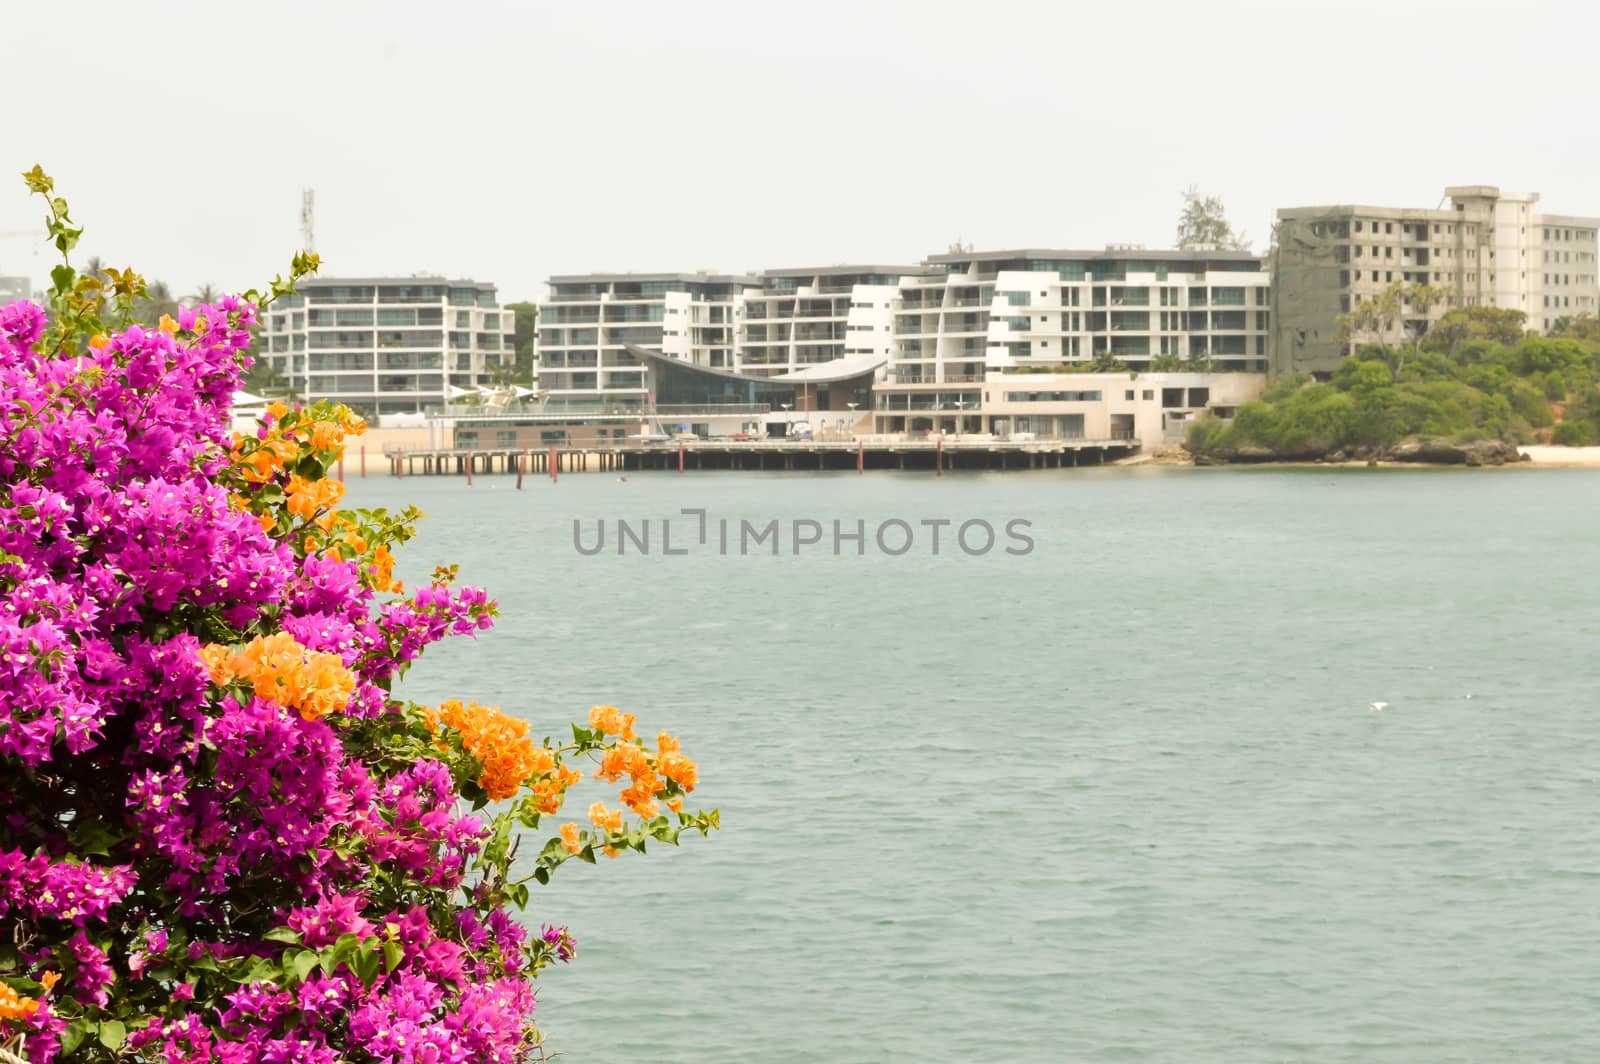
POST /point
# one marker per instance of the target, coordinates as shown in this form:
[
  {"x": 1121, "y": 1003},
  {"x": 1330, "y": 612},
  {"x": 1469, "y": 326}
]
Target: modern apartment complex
[
  {"x": 387, "y": 345},
  {"x": 1034, "y": 309},
  {"x": 944, "y": 324},
  {"x": 590, "y": 319},
  {"x": 805, "y": 317},
  {"x": 1485, "y": 248}
]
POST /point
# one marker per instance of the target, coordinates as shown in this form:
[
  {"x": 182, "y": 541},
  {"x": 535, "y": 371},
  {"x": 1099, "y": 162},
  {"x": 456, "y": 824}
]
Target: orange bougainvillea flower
[
  {"x": 673, "y": 765},
  {"x": 381, "y": 571},
  {"x": 306, "y": 497},
  {"x": 569, "y": 838},
  {"x": 549, "y": 791},
  {"x": 624, "y": 758},
  {"x": 265, "y": 458},
  {"x": 605, "y": 820},
  {"x": 280, "y": 670},
  {"x": 612, "y": 721},
  {"x": 13, "y": 1006},
  {"x": 327, "y": 436},
  {"x": 508, "y": 756}
]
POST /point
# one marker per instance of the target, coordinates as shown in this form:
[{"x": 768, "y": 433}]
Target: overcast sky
[{"x": 509, "y": 141}]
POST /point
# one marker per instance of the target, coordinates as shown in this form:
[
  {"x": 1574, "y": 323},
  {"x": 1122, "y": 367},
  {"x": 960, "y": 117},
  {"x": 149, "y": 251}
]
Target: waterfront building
[
  {"x": 1485, "y": 247},
  {"x": 830, "y": 399},
  {"x": 806, "y": 317},
  {"x": 14, "y": 288},
  {"x": 1002, "y": 311},
  {"x": 1150, "y": 407},
  {"x": 387, "y": 345},
  {"x": 590, "y": 320}
]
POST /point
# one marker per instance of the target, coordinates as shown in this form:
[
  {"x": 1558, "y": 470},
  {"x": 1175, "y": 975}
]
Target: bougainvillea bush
[{"x": 221, "y": 838}]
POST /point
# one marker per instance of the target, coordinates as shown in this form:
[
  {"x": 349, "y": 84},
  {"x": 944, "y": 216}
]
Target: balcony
[{"x": 966, "y": 323}]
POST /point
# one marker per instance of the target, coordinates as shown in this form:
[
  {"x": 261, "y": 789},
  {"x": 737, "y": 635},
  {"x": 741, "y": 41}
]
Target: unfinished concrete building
[{"x": 1483, "y": 246}]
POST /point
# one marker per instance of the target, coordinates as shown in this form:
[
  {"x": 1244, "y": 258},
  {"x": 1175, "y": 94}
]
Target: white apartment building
[
  {"x": 387, "y": 345},
  {"x": 803, "y": 317},
  {"x": 1001, "y": 311},
  {"x": 589, "y": 319},
  {"x": 1568, "y": 267},
  {"x": 1485, "y": 248}
]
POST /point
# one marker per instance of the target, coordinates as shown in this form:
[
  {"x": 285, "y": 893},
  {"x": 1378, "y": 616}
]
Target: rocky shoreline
[{"x": 1416, "y": 452}]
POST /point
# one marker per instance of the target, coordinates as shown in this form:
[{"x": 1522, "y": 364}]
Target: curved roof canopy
[{"x": 840, "y": 369}]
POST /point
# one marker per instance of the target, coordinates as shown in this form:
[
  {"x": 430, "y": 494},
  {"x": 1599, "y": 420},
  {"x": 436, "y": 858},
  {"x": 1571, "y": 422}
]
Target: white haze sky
[{"x": 510, "y": 141}]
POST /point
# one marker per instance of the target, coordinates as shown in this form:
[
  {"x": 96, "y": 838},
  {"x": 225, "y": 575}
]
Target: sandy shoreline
[
  {"x": 1540, "y": 457},
  {"x": 1563, "y": 457}
]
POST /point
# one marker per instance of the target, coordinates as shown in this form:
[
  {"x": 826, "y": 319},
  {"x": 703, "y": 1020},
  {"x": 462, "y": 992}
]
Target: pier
[{"x": 937, "y": 455}]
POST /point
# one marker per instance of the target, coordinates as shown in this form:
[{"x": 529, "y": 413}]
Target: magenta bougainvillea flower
[{"x": 220, "y": 838}]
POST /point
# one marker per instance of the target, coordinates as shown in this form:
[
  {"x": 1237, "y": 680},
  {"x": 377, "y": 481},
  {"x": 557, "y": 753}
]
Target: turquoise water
[{"x": 1121, "y": 798}]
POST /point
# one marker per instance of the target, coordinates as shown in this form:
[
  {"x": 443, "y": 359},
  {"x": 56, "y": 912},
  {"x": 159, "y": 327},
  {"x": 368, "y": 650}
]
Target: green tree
[
  {"x": 206, "y": 293},
  {"x": 263, "y": 378},
  {"x": 527, "y": 326},
  {"x": 1204, "y": 223},
  {"x": 158, "y": 300},
  {"x": 1576, "y": 327},
  {"x": 1462, "y": 324},
  {"x": 1166, "y": 363},
  {"x": 1420, "y": 299}
]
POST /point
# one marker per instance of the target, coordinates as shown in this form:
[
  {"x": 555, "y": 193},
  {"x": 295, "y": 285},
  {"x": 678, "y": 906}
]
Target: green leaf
[
  {"x": 76, "y": 1032},
  {"x": 113, "y": 1033},
  {"x": 61, "y": 277},
  {"x": 262, "y": 970},
  {"x": 366, "y": 960},
  {"x": 283, "y": 934},
  {"x": 393, "y": 954},
  {"x": 38, "y": 181},
  {"x": 304, "y": 962}
]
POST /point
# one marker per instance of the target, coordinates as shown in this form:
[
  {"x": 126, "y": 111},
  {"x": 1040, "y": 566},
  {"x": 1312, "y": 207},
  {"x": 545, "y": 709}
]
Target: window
[
  {"x": 1128, "y": 394},
  {"x": 1149, "y": 394},
  {"x": 1053, "y": 397}
]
